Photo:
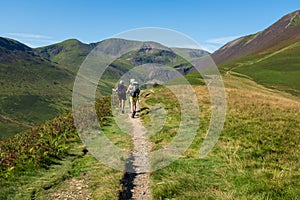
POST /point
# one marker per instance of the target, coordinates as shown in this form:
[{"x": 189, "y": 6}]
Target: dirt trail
[
  {"x": 77, "y": 189},
  {"x": 14, "y": 121},
  {"x": 135, "y": 182}
]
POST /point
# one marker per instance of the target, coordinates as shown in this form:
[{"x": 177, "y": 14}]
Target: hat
[
  {"x": 121, "y": 82},
  {"x": 132, "y": 80}
]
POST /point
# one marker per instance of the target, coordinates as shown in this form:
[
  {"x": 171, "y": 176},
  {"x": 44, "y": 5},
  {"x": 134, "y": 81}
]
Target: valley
[{"x": 43, "y": 155}]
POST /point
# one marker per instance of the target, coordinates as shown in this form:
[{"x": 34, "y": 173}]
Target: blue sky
[{"x": 210, "y": 23}]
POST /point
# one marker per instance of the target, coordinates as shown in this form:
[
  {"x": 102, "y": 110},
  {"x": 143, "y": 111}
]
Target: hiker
[
  {"x": 134, "y": 92},
  {"x": 121, "y": 91},
  {"x": 129, "y": 88}
]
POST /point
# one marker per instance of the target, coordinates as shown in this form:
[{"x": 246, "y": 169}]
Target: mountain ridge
[
  {"x": 42, "y": 78},
  {"x": 286, "y": 28},
  {"x": 36, "y": 83}
]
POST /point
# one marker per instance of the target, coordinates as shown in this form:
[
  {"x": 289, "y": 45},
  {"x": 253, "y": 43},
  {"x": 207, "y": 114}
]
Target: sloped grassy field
[
  {"x": 257, "y": 155},
  {"x": 277, "y": 67},
  {"x": 41, "y": 163}
]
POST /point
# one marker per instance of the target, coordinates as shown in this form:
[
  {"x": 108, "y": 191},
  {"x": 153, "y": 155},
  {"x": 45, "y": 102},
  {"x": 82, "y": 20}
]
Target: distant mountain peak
[
  {"x": 11, "y": 50},
  {"x": 13, "y": 45},
  {"x": 285, "y": 29}
]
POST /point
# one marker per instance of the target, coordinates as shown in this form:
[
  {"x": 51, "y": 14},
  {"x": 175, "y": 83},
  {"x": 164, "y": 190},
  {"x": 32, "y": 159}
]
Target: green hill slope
[
  {"x": 32, "y": 89},
  {"x": 269, "y": 57},
  {"x": 36, "y": 84},
  {"x": 256, "y": 157},
  {"x": 285, "y": 29},
  {"x": 277, "y": 67},
  {"x": 68, "y": 54}
]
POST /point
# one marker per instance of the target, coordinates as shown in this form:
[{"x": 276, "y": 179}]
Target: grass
[
  {"x": 42, "y": 94},
  {"x": 9, "y": 128},
  {"x": 248, "y": 38},
  {"x": 102, "y": 182},
  {"x": 24, "y": 107},
  {"x": 276, "y": 67},
  {"x": 46, "y": 160},
  {"x": 69, "y": 53},
  {"x": 256, "y": 157},
  {"x": 35, "y": 89},
  {"x": 152, "y": 117},
  {"x": 295, "y": 22}
]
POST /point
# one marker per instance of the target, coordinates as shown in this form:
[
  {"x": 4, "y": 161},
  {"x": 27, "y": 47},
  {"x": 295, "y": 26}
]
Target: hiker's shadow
[{"x": 127, "y": 181}]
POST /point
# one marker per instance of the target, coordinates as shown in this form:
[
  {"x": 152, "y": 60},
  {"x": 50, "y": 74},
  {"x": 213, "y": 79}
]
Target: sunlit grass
[{"x": 256, "y": 157}]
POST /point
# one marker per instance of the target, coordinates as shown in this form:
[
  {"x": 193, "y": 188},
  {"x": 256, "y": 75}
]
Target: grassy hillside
[
  {"x": 71, "y": 53},
  {"x": 286, "y": 29},
  {"x": 68, "y": 54},
  {"x": 36, "y": 84},
  {"x": 256, "y": 157},
  {"x": 277, "y": 67},
  {"x": 45, "y": 162},
  {"x": 34, "y": 98},
  {"x": 32, "y": 89}
]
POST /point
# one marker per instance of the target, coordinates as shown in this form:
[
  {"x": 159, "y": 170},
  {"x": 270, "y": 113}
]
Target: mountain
[
  {"x": 270, "y": 57},
  {"x": 68, "y": 54},
  {"x": 36, "y": 84},
  {"x": 256, "y": 156},
  {"x": 7, "y": 44},
  {"x": 282, "y": 33},
  {"x": 11, "y": 49},
  {"x": 71, "y": 53},
  {"x": 33, "y": 89}
]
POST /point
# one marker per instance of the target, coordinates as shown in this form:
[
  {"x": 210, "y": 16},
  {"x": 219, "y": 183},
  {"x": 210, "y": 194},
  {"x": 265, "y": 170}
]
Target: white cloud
[
  {"x": 28, "y": 36},
  {"x": 32, "y": 40},
  {"x": 222, "y": 40},
  {"x": 189, "y": 46},
  {"x": 211, "y": 45}
]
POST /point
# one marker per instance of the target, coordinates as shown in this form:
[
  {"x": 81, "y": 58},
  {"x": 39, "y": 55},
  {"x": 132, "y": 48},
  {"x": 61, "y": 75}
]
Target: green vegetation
[
  {"x": 64, "y": 177},
  {"x": 295, "y": 22},
  {"x": 248, "y": 38},
  {"x": 44, "y": 90},
  {"x": 9, "y": 128},
  {"x": 43, "y": 161},
  {"x": 33, "y": 89},
  {"x": 276, "y": 68},
  {"x": 256, "y": 157},
  {"x": 69, "y": 54},
  {"x": 151, "y": 119}
]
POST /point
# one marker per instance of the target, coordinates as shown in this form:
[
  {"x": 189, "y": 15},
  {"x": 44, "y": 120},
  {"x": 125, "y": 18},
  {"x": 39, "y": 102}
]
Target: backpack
[
  {"x": 121, "y": 89},
  {"x": 134, "y": 90}
]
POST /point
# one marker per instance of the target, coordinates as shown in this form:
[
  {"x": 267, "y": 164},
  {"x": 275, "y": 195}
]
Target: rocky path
[
  {"x": 135, "y": 182},
  {"x": 77, "y": 189}
]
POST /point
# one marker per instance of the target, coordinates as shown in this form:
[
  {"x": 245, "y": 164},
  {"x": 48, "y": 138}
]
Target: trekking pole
[{"x": 113, "y": 98}]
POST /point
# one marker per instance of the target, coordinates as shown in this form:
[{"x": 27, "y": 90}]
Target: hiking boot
[
  {"x": 133, "y": 113},
  {"x": 123, "y": 111}
]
